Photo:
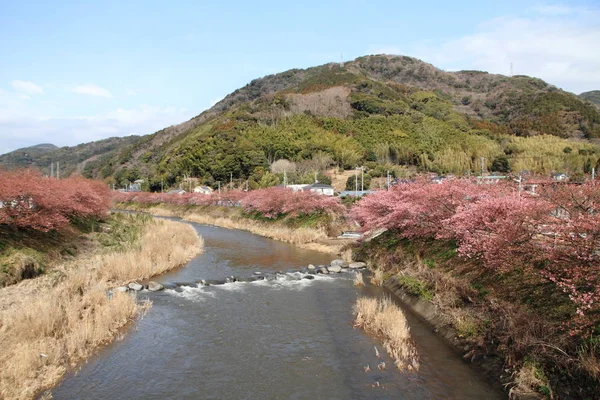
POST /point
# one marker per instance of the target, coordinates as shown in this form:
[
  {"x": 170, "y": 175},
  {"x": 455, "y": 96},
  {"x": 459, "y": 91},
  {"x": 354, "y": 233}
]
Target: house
[
  {"x": 298, "y": 188},
  {"x": 438, "y": 179},
  {"x": 136, "y": 186},
  {"x": 560, "y": 177},
  {"x": 490, "y": 179},
  {"x": 322, "y": 189},
  {"x": 356, "y": 193},
  {"x": 176, "y": 191},
  {"x": 203, "y": 190}
]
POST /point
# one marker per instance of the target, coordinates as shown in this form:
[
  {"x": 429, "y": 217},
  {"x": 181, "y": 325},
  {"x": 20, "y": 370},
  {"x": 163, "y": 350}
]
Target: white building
[{"x": 203, "y": 190}]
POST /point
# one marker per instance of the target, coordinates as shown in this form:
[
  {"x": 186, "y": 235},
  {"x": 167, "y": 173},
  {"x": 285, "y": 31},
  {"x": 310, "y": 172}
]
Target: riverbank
[
  {"x": 510, "y": 325},
  {"x": 53, "y": 322},
  {"x": 312, "y": 234}
]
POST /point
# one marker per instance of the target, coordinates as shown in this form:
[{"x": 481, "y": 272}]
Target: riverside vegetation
[
  {"x": 51, "y": 323},
  {"x": 304, "y": 219},
  {"x": 513, "y": 273}
]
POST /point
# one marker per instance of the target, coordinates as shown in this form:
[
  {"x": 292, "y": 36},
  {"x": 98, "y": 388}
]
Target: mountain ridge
[{"x": 394, "y": 94}]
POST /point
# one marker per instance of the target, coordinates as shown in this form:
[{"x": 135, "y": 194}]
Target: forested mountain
[
  {"x": 592, "y": 96},
  {"x": 384, "y": 112},
  {"x": 71, "y": 159}
]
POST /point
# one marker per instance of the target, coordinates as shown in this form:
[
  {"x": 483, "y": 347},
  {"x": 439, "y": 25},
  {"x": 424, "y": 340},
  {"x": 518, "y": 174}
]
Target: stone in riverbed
[
  {"x": 334, "y": 268},
  {"x": 339, "y": 263},
  {"x": 311, "y": 267},
  {"x": 308, "y": 277},
  {"x": 213, "y": 282},
  {"x": 323, "y": 271},
  {"x": 155, "y": 286},
  {"x": 122, "y": 289},
  {"x": 357, "y": 265},
  {"x": 135, "y": 286},
  {"x": 258, "y": 273}
]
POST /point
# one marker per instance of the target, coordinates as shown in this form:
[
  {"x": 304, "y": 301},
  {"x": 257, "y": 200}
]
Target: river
[{"x": 280, "y": 339}]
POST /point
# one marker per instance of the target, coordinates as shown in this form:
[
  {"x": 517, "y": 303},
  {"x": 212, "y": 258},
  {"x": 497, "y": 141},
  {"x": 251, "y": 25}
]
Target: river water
[{"x": 280, "y": 339}]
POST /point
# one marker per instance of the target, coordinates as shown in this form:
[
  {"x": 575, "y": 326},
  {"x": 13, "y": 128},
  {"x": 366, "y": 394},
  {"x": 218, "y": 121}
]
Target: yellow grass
[
  {"x": 307, "y": 238},
  {"x": 48, "y": 330},
  {"x": 528, "y": 381},
  {"x": 358, "y": 280},
  {"x": 385, "y": 320},
  {"x": 377, "y": 278}
]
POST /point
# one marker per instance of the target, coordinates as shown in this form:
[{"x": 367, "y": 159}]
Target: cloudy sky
[{"x": 73, "y": 72}]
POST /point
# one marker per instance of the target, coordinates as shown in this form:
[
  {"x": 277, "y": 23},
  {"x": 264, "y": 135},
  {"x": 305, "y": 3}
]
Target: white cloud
[
  {"x": 92, "y": 90},
  {"x": 130, "y": 92},
  {"x": 552, "y": 9},
  {"x": 555, "y": 43},
  {"x": 26, "y": 87}
]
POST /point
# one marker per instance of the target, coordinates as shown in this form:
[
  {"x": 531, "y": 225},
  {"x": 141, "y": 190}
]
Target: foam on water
[
  {"x": 193, "y": 293},
  {"x": 288, "y": 281}
]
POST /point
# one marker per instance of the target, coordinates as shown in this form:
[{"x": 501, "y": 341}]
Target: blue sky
[{"x": 73, "y": 72}]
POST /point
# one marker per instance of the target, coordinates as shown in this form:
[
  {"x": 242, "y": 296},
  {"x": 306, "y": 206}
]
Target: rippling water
[{"x": 283, "y": 339}]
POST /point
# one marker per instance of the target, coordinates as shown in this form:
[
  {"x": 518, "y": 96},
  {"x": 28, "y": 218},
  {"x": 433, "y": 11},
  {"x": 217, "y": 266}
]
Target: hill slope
[
  {"x": 592, "y": 96},
  {"x": 71, "y": 159},
  {"x": 386, "y": 112}
]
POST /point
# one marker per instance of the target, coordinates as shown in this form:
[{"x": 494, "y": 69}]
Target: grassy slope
[
  {"x": 513, "y": 318},
  {"x": 51, "y": 323}
]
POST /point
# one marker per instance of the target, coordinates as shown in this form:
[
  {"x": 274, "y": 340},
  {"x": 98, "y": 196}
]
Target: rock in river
[
  {"x": 135, "y": 286},
  {"x": 122, "y": 289},
  {"x": 357, "y": 265},
  {"x": 334, "y": 268},
  {"x": 155, "y": 286},
  {"x": 311, "y": 267},
  {"x": 339, "y": 263}
]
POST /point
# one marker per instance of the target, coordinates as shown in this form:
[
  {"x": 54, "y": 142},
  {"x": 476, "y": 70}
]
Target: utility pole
[
  {"x": 57, "y": 170},
  {"x": 593, "y": 173},
  {"x": 355, "y": 181},
  {"x": 388, "y": 180},
  {"x": 51, "y": 170},
  {"x": 316, "y": 180},
  {"x": 285, "y": 183},
  {"x": 231, "y": 180},
  {"x": 362, "y": 179},
  {"x": 520, "y": 184},
  {"x": 482, "y": 165},
  {"x": 219, "y": 183}
]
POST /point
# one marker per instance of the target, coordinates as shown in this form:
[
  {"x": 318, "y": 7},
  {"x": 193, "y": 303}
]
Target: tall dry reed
[
  {"x": 62, "y": 324},
  {"x": 385, "y": 320},
  {"x": 308, "y": 238}
]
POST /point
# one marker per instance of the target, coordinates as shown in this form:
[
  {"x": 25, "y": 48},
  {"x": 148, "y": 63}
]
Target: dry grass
[
  {"x": 377, "y": 278},
  {"x": 384, "y": 319},
  {"x": 70, "y": 314},
  {"x": 359, "y": 280},
  {"x": 308, "y": 238},
  {"x": 167, "y": 245},
  {"x": 589, "y": 360},
  {"x": 530, "y": 383}
]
